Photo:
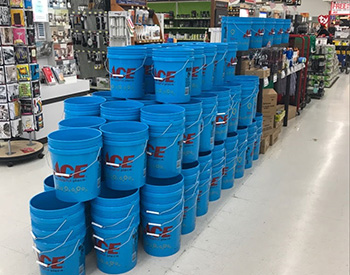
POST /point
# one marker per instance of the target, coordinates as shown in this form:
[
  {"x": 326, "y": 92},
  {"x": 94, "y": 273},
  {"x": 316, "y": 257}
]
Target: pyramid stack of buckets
[{"x": 145, "y": 159}]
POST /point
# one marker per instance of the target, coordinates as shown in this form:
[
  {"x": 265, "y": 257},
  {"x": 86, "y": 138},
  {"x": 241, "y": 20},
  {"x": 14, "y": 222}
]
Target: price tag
[
  {"x": 266, "y": 81},
  {"x": 283, "y": 74},
  {"x": 274, "y": 78}
]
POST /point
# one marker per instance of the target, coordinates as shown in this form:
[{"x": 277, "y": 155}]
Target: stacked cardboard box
[
  {"x": 269, "y": 109},
  {"x": 248, "y": 69},
  {"x": 278, "y": 124}
]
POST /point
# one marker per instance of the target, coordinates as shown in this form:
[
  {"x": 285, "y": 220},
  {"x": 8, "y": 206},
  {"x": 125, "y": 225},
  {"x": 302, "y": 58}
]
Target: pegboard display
[{"x": 90, "y": 38}]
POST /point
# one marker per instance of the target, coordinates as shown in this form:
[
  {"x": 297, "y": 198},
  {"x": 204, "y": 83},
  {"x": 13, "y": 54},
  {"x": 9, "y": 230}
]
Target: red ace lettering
[
  {"x": 189, "y": 138},
  {"x": 224, "y": 171},
  {"x": 195, "y": 71},
  {"x": 126, "y": 161},
  {"x": 111, "y": 248},
  {"x": 214, "y": 181},
  {"x": 127, "y": 73},
  {"x": 166, "y": 76},
  {"x": 68, "y": 169},
  {"x": 54, "y": 262},
  {"x": 156, "y": 152},
  {"x": 222, "y": 118},
  {"x": 158, "y": 230}
]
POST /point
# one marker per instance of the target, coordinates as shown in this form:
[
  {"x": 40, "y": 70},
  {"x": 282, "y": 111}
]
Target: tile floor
[{"x": 288, "y": 216}]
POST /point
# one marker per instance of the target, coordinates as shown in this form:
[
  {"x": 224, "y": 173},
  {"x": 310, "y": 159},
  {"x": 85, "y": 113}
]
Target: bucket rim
[
  {"x": 163, "y": 110},
  {"x": 119, "y": 128},
  {"x": 122, "y": 104},
  {"x": 62, "y": 136},
  {"x": 89, "y": 100}
]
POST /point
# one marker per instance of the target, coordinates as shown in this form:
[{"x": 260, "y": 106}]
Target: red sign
[
  {"x": 323, "y": 20},
  {"x": 340, "y": 8}
]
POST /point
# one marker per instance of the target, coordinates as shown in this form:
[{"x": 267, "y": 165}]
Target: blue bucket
[
  {"x": 246, "y": 107},
  {"x": 220, "y": 63},
  {"x": 224, "y": 102},
  {"x": 205, "y": 161},
  {"x": 250, "y": 144},
  {"x": 242, "y": 132},
  {"x": 82, "y": 122},
  {"x": 258, "y": 30},
  {"x": 166, "y": 128},
  {"x": 126, "y": 71},
  {"x": 259, "y": 120},
  {"x": 128, "y": 110},
  {"x": 216, "y": 180},
  {"x": 149, "y": 99},
  {"x": 286, "y": 31},
  {"x": 164, "y": 186},
  {"x": 190, "y": 172},
  {"x": 67, "y": 257},
  {"x": 229, "y": 173},
  {"x": 173, "y": 74},
  {"x": 237, "y": 29},
  {"x": 160, "y": 198},
  {"x": 197, "y": 71},
  {"x": 161, "y": 209},
  {"x": 279, "y": 29},
  {"x": 257, "y": 146},
  {"x": 218, "y": 153},
  {"x": 207, "y": 136},
  {"x": 231, "y": 144},
  {"x": 75, "y": 158},
  {"x": 203, "y": 197},
  {"x": 269, "y": 33},
  {"x": 46, "y": 205},
  {"x": 105, "y": 94},
  {"x": 83, "y": 106},
  {"x": 161, "y": 233},
  {"x": 193, "y": 126},
  {"x": 231, "y": 61},
  {"x": 49, "y": 183},
  {"x": 149, "y": 80},
  {"x": 190, "y": 209},
  {"x": 208, "y": 70},
  {"x": 116, "y": 250},
  {"x": 123, "y": 157},
  {"x": 115, "y": 212},
  {"x": 114, "y": 198},
  {"x": 236, "y": 91}
]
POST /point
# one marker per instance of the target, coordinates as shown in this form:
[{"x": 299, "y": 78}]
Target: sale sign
[
  {"x": 323, "y": 20},
  {"x": 340, "y": 8}
]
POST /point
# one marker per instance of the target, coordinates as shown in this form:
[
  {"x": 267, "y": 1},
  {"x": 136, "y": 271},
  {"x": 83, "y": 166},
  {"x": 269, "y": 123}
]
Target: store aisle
[{"x": 289, "y": 215}]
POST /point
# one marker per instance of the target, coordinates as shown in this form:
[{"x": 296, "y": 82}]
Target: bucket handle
[
  {"x": 201, "y": 68},
  {"x": 231, "y": 167},
  {"x": 161, "y": 79},
  {"x": 122, "y": 75},
  {"x": 213, "y": 60},
  {"x": 194, "y": 184},
  {"x": 166, "y": 148},
  {"x": 191, "y": 196},
  {"x": 117, "y": 165},
  {"x": 111, "y": 225},
  {"x": 219, "y": 163},
  {"x": 193, "y": 138},
  {"x": 249, "y": 98},
  {"x": 50, "y": 235},
  {"x": 248, "y": 35},
  {"x": 160, "y": 225},
  {"x": 58, "y": 263},
  {"x": 221, "y": 122},
  {"x": 70, "y": 175},
  {"x": 114, "y": 237},
  {"x": 234, "y": 63},
  {"x": 223, "y": 57},
  {"x": 194, "y": 205},
  {"x": 166, "y": 211},
  {"x": 194, "y": 123},
  {"x": 200, "y": 195},
  {"x": 204, "y": 168},
  {"x": 110, "y": 249}
]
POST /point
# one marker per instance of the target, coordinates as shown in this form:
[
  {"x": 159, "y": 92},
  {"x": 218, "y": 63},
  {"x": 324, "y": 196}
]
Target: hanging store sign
[
  {"x": 323, "y": 20},
  {"x": 340, "y": 8}
]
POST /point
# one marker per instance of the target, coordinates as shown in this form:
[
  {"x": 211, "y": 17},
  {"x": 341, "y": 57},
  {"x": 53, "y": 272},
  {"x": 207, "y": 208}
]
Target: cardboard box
[
  {"x": 261, "y": 73},
  {"x": 267, "y": 133},
  {"x": 245, "y": 65},
  {"x": 278, "y": 124},
  {"x": 268, "y": 123},
  {"x": 292, "y": 112},
  {"x": 269, "y": 104},
  {"x": 280, "y": 115},
  {"x": 275, "y": 135},
  {"x": 280, "y": 107},
  {"x": 264, "y": 144}
]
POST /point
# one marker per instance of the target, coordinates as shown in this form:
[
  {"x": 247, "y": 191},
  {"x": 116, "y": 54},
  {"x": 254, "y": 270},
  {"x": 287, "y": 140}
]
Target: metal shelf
[
  {"x": 190, "y": 18},
  {"x": 186, "y": 28}
]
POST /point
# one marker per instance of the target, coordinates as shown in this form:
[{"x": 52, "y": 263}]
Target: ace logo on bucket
[
  {"x": 111, "y": 249},
  {"x": 157, "y": 152},
  {"x": 54, "y": 262},
  {"x": 214, "y": 181},
  {"x": 127, "y": 73},
  {"x": 67, "y": 170},
  {"x": 162, "y": 232},
  {"x": 164, "y": 76},
  {"x": 123, "y": 161},
  {"x": 222, "y": 119}
]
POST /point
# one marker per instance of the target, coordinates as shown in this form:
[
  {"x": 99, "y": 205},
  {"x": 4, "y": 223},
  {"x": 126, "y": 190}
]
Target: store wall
[{"x": 315, "y": 7}]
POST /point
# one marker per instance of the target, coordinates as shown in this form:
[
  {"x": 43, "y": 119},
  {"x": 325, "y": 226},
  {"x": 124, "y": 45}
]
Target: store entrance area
[{"x": 289, "y": 215}]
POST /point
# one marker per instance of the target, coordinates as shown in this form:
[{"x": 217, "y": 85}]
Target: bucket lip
[
  {"x": 177, "y": 180},
  {"x": 193, "y": 101},
  {"x": 190, "y": 165},
  {"x": 97, "y": 121},
  {"x": 102, "y": 196},
  {"x": 205, "y": 95},
  {"x": 219, "y": 143},
  {"x": 258, "y": 115},
  {"x": 62, "y": 136},
  {"x": 102, "y": 93},
  {"x": 205, "y": 153},
  {"x": 119, "y": 128},
  {"x": 163, "y": 110},
  {"x": 49, "y": 181},
  {"x": 85, "y": 100},
  {"x": 242, "y": 128},
  {"x": 52, "y": 195},
  {"x": 232, "y": 134},
  {"x": 126, "y": 48},
  {"x": 169, "y": 50},
  {"x": 122, "y": 104}
]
